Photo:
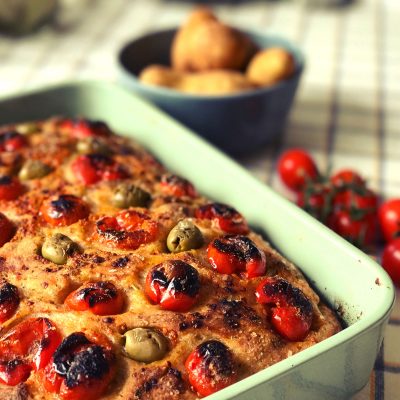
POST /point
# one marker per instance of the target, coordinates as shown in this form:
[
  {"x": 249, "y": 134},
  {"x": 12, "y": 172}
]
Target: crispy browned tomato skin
[{"x": 225, "y": 309}]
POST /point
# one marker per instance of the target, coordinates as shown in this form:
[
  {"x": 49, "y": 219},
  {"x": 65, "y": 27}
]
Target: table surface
[{"x": 346, "y": 113}]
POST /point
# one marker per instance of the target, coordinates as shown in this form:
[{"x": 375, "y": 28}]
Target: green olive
[
  {"x": 92, "y": 145},
  {"x": 33, "y": 169},
  {"x": 145, "y": 345},
  {"x": 57, "y": 248},
  {"x": 185, "y": 235},
  {"x": 128, "y": 195}
]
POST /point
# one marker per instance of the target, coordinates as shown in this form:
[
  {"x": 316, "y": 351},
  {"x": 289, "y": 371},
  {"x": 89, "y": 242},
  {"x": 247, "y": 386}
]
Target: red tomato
[
  {"x": 316, "y": 200},
  {"x": 391, "y": 260},
  {"x": 6, "y": 229},
  {"x": 174, "y": 285},
  {"x": 9, "y": 301},
  {"x": 292, "y": 311},
  {"x": 227, "y": 218},
  {"x": 81, "y": 128},
  {"x": 357, "y": 198},
  {"x": 25, "y": 347},
  {"x": 127, "y": 230},
  {"x": 296, "y": 168},
  {"x": 64, "y": 210},
  {"x": 92, "y": 168},
  {"x": 236, "y": 254},
  {"x": 79, "y": 369},
  {"x": 389, "y": 218},
  {"x": 290, "y": 326},
  {"x": 11, "y": 141},
  {"x": 10, "y": 188},
  {"x": 347, "y": 178},
  {"x": 101, "y": 298},
  {"x": 210, "y": 367},
  {"x": 14, "y": 372},
  {"x": 356, "y": 226},
  {"x": 176, "y": 186}
]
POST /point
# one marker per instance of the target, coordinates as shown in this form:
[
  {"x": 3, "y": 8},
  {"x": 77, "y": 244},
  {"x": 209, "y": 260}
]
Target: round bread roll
[
  {"x": 270, "y": 66},
  {"x": 204, "y": 43}
]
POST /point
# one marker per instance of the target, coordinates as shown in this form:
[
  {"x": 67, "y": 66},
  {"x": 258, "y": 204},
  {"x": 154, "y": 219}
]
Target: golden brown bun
[
  {"x": 270, "y": 66},
  {"x": 216, "y": 82},
  {"x": 205, "y": 43}
]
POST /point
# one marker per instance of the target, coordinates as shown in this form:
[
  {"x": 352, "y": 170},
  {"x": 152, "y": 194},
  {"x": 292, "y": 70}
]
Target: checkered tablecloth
[{"x": 347, "y": 112}]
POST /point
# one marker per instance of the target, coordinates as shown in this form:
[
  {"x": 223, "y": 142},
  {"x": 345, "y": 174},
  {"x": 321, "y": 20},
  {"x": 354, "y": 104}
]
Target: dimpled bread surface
[{"x": 226, "y": 309}]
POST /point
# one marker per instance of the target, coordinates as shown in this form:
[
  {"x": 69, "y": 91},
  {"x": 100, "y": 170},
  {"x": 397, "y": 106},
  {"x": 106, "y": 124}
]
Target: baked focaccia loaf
[{"x": 119, "y": 281}]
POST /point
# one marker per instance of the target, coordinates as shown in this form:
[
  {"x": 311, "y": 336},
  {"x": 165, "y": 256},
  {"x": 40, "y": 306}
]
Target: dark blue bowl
[{"x": 238, "y": 123}]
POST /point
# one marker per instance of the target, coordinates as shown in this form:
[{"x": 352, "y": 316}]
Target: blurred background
[{"x": 346, "y": 112}]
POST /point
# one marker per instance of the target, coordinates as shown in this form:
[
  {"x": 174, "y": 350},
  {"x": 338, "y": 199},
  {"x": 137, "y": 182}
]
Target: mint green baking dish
[{"x": 347, "y": 278}]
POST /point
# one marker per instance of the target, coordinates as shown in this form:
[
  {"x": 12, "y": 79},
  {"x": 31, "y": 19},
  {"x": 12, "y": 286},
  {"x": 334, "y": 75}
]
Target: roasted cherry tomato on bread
[
  {"x": 176, "y": 186},
  {"x": 101, "y": 298},
  {"x": 10, "y": 188},
  {"x": 6, "y": 229},
  {"x": 9, "y": 301},
  {"x": 236, "y": 254},
  {"x": 346, "y": 178},
  {"x": 127, "y": 230},
  {"x": 14, "y": 372},
  {"x": 389, "y": 218},
  {"x": 92, "y": 168},
  {"x": 296, "y": 168},
  {"x": 211, "y": 367},
  {"x": 80, "y": 368},
  {"x": 81, "y": 128},
  {"x": 64, "y": 210},
  {"x": 391, "y": 260},
  {"x": 27, "y": 347},
  {"x": 174, "y": 285},
  {"x": 11, "y": 141},
  {"x": 291, "y": 313},
  {"x": 226, "y": 217}
]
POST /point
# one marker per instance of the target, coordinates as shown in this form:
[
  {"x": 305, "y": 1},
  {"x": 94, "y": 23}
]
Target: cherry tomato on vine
[
  {"x": 391, "y": 260},
  {"x": 356, "y": 198},
  {"x": 316, "y": 200},
  {"x": 357, "y": 226},
  {"x": 296, "y": 168},
  {"x": 346, "y": 178},
  {"x": 389, "y": 218}
]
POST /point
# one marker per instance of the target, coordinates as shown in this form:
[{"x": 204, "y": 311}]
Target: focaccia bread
[{"x": 119, "y": 281}]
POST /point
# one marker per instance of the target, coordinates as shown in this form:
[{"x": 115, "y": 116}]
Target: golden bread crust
[{"x": 226, "y": 309}]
